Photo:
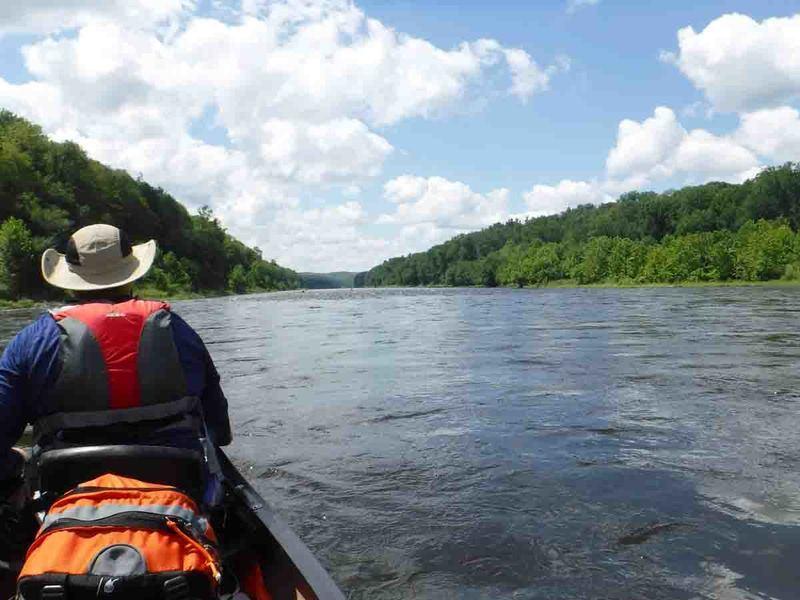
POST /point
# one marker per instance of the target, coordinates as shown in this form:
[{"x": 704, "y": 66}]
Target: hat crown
[
  {"x": 98, "y": 257},
  {"x": 97, "y": 248}
]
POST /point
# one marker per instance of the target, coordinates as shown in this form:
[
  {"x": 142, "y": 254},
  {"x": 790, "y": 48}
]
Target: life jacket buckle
[
  {"x": 176, "y": 588},
  {"x": 54, "y": 591}
]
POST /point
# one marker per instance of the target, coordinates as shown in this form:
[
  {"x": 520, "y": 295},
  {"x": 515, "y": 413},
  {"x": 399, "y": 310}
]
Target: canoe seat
[{"x": 61, "y": 470}]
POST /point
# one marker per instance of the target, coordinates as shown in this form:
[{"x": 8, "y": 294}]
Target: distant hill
[{"x": 324, "y": 281}]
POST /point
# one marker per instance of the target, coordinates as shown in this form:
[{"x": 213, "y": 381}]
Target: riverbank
[
  {"x": 174, "y": 296},
  {"x": 144, "y": 292},
  {"x": 21, "y": 303},
  {"x": 571, "y": 283}
]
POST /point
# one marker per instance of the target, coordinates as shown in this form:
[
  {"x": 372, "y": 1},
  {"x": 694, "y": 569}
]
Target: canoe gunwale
[{"x": 318, "y": 579}]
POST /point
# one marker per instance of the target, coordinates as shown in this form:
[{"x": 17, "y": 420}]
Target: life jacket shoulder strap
[{"x": 187, "y": 406}]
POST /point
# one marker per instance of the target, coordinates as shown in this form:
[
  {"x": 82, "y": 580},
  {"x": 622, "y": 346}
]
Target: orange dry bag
[{"x": 122, "y": 539}]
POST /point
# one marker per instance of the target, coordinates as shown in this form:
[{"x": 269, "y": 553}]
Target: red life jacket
[{"x": 119, "y": 365}]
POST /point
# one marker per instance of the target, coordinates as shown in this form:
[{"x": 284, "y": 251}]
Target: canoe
[
  {"x": 250, "y": 526},
  {"x": 291, "y": 571}
]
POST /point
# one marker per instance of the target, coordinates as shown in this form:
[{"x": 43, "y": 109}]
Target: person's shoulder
[
  {"x": 177, "y": 319},
  {"x": 42, "y": 329},
  {"x": 182, "y": 331},
  {"x": 43, "y": 326},
  {"x": 45, "y": 322}
]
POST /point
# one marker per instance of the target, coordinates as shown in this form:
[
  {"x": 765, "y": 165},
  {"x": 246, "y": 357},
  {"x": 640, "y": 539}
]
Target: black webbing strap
[
  {"x": 62, "y": 421},
  {"x": 209, "y": 448},
  {"x": 167, "y": 586}
]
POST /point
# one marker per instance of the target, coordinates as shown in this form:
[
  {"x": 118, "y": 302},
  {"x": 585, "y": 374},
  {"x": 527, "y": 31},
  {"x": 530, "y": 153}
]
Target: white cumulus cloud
[
  {"x": 46, "y": 16},
  {"x": 645, "y": 148},
  {"x": 742, "y": 64},
  {"x": 659, "y": 148},
  {"x": 442, "y": 203},
  {"x": 340, "y": 149},
  {"x": 772, "y": 133},
  {"x": 703, "y": 156},
  {"x": 551, "y": 199},
  {"x": 324, "y": 238}
]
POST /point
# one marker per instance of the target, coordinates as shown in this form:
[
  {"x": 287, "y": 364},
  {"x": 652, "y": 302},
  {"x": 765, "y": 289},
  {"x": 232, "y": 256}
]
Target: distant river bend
[{"x": 588, "y": 443}]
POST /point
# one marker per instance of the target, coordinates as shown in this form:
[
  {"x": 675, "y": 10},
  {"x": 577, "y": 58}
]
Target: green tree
[
  {"x": 510, "y": 271},
  {"x": 763, "y": 250},
  {"x": 625, "y": 259},
  {"x": 541, "y": 265},
  {"x": 237, "y": 280},
  {"x": 593, "y": 267},
  {"x": 17, "y": 260}
]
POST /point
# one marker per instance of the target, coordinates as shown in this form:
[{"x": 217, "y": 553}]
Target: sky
[{"x": 334, "y": 134}]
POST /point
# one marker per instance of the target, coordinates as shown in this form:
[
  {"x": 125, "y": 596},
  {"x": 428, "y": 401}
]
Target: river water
[{"x": 589, "y": 443}]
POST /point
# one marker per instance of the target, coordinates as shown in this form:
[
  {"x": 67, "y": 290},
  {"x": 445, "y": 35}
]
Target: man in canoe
[{"x": 110, "y": 369}]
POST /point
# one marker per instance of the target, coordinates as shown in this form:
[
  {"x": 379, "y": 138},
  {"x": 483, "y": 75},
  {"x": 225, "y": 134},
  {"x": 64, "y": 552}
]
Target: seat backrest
[{"x": 61, "y": 470}]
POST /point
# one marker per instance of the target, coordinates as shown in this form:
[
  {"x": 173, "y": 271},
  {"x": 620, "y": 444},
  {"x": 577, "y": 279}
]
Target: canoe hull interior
[{"x": 250, "y": 529}]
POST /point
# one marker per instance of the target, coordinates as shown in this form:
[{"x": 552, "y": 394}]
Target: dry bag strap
[
  {"x": 122, "y": 514},
  {"x": 56, "y": 422},
  {"x": 166, "y": 586},
  {"x": 209, "y": 447}
]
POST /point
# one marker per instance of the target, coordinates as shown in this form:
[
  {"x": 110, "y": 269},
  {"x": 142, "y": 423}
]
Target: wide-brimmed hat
[{"x": 98, "y": 257}]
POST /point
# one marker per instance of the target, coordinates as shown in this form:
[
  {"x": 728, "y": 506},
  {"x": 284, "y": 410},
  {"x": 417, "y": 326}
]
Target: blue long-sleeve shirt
[{"x": 30, "y": 366}]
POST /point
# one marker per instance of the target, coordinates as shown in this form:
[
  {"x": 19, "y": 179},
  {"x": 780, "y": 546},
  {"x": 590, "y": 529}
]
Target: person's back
[{"x": 110, "y": 369}]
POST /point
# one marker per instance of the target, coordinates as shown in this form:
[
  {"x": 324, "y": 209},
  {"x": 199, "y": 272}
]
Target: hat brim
[{"x": 59, "y": 273}]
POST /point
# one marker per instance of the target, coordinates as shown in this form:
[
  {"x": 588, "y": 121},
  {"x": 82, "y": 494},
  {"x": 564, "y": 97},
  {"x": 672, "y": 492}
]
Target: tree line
[
  {"x": 48, "y": 190},
  {"x": 712, "y": 232}
]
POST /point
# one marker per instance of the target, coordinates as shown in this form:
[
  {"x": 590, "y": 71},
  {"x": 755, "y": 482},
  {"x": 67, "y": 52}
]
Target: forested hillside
[
  {"x": 327, "y": 281},
  {"x": 49, "y": 189},
  {"x": 712, "y": 232}
]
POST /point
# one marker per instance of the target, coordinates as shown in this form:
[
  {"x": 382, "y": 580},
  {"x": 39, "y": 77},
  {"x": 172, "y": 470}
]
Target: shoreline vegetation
[
  {"x": 712, "y": 234},
  {"x": 27, "y": 303},
  {"x": 140, "y": 291},
  {"x": 571, "y": 284},
  {"x": 48, "y": 190}
]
